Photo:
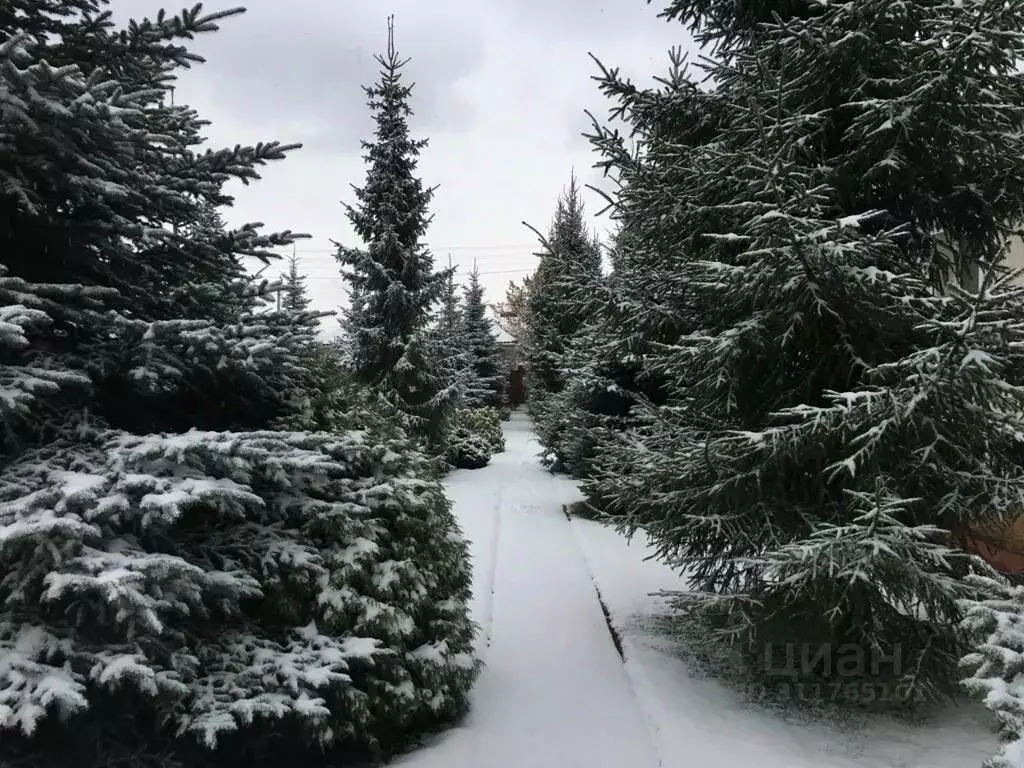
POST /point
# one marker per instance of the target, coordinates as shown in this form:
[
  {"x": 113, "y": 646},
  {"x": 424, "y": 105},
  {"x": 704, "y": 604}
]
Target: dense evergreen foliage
[
  {"x": 837, "y": 414},
  {"x": 559, "y": 302},
  {"x": 294, "y": 291},
  {"x": 205, "y": 562},
  {"x": 489, "y": 372}
]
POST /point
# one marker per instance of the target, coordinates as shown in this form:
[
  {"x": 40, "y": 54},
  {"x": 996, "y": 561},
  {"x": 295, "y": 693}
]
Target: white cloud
[{"x": 501, "y": 89}]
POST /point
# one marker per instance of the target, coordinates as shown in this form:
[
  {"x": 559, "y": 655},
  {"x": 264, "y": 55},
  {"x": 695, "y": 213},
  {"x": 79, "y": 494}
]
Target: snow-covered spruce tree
[
  {"x": 264, "y": 591},
  {"x": 295, "y": 292},
  {"x": 451, "y": 339},
  {"x": 838, "y": 416},
  {"x": 609, "y": 396},
  {"x": 560, "y": 299},
  {"x": 599, "y": 394},
  {"x": 487, "y": 386},
  {"x": 467, "y": 447},
  {"x": 349, "y": 322},
  {"x": 393, "y": 275}
]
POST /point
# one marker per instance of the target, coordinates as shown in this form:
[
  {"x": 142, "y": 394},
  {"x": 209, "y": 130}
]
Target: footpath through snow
[{"x": 555, "y": 693}]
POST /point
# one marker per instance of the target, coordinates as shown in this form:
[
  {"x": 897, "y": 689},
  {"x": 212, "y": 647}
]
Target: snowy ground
[{"x": 555, "y": 692}]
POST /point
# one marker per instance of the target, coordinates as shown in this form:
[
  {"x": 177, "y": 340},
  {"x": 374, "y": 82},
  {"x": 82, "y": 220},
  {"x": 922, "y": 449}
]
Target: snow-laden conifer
[
  {"x": 560, "y": 302},
  {"x": 177, "y": 572},
  {"x": 392, "y": 274},
  {"x": 486, "y": 386},
  {"x": 295, "y": 295},
  {"x": 839, "y": 415}
]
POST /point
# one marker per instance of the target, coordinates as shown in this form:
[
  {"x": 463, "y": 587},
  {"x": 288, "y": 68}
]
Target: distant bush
[
  {"x": 485, "y": 422},
  {"x": 468, "y": 450}
]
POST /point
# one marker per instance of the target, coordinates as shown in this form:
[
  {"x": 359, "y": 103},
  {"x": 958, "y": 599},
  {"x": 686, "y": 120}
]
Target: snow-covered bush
[
  {"x": 234, "y": 582},
  {"x": 506, "y": 413},
  {"x": 995, "y": 668},
  {"x": 468, "y": 450},
  {"x": 475, "y": 437},
  {"x": 485, "y": 422}
]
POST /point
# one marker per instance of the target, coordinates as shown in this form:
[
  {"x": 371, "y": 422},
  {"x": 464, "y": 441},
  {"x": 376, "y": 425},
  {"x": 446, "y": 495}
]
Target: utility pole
[
  {"x": 174, "y": 226},
  {"x": 294, "y": 256}
]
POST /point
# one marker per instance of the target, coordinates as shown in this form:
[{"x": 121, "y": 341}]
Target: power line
[
  {"x": 329, "y": 270},
  {"x": 487, "y": 272},
  {"x": 533, "y": 247}
]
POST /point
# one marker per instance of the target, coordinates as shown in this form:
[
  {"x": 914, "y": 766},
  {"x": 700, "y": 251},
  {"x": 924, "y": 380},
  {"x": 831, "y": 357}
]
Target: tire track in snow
[
  {"x": 487, "y": 620},
  {"x": 621, "y": 644}
]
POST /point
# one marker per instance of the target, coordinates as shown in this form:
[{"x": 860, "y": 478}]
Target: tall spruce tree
[
  {"x": 605, "y": 375},
  {"x": 839, "y": 418},
  {"x": 179, "y": 574},
  {"x": 392, "y": 349},
  {"x": 560, "y": 300},
  {"x": 454, "y": 354},
  {"x": 487, "y": 384}
]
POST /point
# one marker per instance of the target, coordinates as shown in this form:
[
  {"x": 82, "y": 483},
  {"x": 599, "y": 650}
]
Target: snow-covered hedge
[
  {"x": 485, "y": 422},
  {"x": 234, "y": 583},
  {"x": 468, "y": 450},
  {"x": 476, "y": 435}
]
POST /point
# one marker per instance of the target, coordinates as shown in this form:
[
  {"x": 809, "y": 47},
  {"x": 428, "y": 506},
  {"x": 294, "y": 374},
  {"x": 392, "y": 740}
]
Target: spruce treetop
[
  {"x": 295, "y": 293},
  {"x": 393, "y": 203},
  {"x": 391, "y": 278}
]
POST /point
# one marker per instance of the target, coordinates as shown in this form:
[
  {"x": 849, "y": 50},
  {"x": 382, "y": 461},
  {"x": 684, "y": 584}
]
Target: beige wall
[
  {"x": 1015, "y": 257},
  {"x": 1014, "y": 260}
]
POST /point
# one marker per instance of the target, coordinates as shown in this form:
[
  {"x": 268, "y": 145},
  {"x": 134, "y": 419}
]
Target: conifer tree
[
  {"x": 393, "y": 275},
  {"x": 839, "y": 416},
  {"x": 450, "y": 314},
  {"x": 451, "y": 339},
  {"x": 181, "y": 572},
  {"x": 295, "y": 293},
  {"x": 487, "y": 384},
  {"x": 560, "y": 300},
  {"x": 605, "y": 379}
]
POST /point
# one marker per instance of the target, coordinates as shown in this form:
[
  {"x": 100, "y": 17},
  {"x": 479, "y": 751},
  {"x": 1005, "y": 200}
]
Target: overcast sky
[{"x": 501, "y": 89}]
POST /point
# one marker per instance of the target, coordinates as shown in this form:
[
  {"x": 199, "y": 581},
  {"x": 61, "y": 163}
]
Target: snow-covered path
[{"x": 554, "y": 692}]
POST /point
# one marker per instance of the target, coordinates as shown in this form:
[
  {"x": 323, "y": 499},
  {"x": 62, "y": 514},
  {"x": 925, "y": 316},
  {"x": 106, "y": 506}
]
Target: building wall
[
  {"x": 1015, "y": 256},
  {"x": 1013, "y": 261},
  {"x": 1001, "y": 544}
]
